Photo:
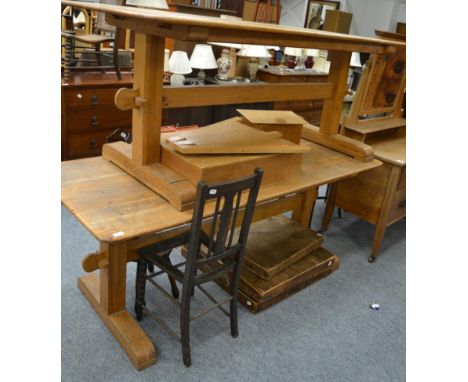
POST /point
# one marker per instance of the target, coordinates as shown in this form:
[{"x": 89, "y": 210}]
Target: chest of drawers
[
  {"x": 89, "y": 114},
  {"x": 311, "y": 110}
]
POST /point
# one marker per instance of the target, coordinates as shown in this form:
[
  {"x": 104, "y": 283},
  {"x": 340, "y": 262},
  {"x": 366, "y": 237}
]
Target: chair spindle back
[{"x": 221, "y": 242}]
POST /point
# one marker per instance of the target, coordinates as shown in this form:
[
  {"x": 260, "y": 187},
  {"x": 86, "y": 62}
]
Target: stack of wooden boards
[{"x": 282, "y": 257}]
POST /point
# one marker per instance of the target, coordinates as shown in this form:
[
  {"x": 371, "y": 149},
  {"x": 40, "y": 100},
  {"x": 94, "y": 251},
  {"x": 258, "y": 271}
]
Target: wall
[{"x": 368, "y": 15}]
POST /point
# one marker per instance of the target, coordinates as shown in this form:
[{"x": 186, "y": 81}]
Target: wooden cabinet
[
  {"x": 311, "y": 110},
  {"x": 89, "y": 114},
  {"x": 379, "y": 195}
]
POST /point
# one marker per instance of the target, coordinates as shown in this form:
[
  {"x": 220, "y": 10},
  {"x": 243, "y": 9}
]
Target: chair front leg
[
  {"x": 172, "y": 280},
  {"x": 233, "y": 302},
  {"x": 116, "y": 54},
  {"x": 140, "y": 287},
  {"x": 185, "y": 324},
  {"x": 99, "y": 56}
]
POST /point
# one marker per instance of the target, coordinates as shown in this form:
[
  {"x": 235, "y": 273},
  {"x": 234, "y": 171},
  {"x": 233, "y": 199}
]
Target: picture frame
[{"x": 315, "y": 14}]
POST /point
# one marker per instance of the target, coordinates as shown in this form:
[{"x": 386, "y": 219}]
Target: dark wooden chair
[
  {"x": 215, "y": 245},
  {"x": 104, "y": 33}
]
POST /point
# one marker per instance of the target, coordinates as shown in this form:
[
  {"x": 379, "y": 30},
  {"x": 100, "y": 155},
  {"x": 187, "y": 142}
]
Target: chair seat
[
  {"x": 156, "y": 255},
  {"x": 93, "y": 38}
]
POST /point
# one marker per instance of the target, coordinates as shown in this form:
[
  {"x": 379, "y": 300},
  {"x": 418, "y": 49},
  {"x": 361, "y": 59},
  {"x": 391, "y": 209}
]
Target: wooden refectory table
[{"x": 125, "y": 215}]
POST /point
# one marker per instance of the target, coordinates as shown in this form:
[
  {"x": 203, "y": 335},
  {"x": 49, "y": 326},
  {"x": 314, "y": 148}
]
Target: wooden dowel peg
[
  {"x": 126, "y": 99},
  {"x": 92, "y": 261}
]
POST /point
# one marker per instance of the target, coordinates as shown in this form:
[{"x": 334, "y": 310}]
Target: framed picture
[{"x": 315, "y": 14}]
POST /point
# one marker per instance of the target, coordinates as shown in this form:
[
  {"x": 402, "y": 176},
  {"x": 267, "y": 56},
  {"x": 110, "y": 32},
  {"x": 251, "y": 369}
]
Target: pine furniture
[
  {"x": 89, "y": 113},
  {"x": 124, "y": 215},
  {"x": 310, "y": 110},
  {"x": 378, "y": 196}
]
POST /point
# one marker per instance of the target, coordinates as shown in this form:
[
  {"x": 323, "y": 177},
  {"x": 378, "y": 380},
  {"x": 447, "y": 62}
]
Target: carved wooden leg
[
  {"x": 106, "y": 293},
  {"x": 378, "y": 237},
  {"x": 303, "y": 213},
  {"x": 329, "y": 207},
  {"x": 383, "y": 217},
  {"x": 67, "y": 63}
]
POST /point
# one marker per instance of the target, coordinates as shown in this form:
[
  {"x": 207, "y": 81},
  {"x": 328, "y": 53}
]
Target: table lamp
[
  {"x": 203, "y": 58},
  {"x": 355, "y": 71},
  {"x": 179, "y": 65},
  {"x": 355, "y": 60},
  {"x": 254, "y": 52}
]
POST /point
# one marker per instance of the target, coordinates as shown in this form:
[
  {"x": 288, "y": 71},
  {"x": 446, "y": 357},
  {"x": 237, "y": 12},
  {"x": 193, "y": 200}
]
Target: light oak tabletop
[{"x": 114, "y": 206}]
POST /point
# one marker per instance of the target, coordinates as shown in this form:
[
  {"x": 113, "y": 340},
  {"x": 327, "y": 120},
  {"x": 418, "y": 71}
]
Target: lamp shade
[
  {"x": 293, "y": 51},
  {"x": 203, "y": 57},
  {"x": 311, "y": 52},
  {"x": 254, "y": 51},
  {"x": 355, "y": 60},
  {"x": 179, "y": 63}
]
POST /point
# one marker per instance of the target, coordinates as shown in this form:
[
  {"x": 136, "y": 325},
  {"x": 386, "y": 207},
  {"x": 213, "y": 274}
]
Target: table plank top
[
  {"x": 158, "y": 18},
  {"x": 114, "y": 206}
]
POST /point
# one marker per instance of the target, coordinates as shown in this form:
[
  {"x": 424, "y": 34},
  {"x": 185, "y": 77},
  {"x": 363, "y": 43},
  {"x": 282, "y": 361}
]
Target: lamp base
[
  {"x": 201, "y": 76},
  {"x": 177, "y": 79},
  {"x": 252, "y": 67}
]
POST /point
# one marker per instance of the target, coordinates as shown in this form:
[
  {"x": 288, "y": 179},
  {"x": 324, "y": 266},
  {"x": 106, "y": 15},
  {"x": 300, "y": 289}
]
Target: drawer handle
[
  {"x": 402, "y": 204},
  {"x": 79, "y": 95},
  {"x": 94, "y": 121},
  {"x": 93, "y": 143},
  {"x": 94, "y": 99}
]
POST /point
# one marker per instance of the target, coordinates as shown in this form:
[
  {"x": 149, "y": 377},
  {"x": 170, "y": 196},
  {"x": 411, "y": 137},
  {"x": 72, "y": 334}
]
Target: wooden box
[
  {"x": 213, "y": 168},
  {"x": 257, "y": 294},
  {"x": 276, "y": 243},
  {"x": 288, "y": 123}
]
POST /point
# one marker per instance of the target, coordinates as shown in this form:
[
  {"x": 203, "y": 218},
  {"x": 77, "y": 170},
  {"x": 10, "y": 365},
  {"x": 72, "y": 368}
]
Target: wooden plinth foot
[
  {"x": 345, "y": 145},
  {"x": 124, "y": 328},
  {"x": 169, "y": 184}
]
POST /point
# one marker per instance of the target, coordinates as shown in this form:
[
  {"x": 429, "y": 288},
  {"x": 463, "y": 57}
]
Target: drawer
[
  {"x": 90, "y": 97},
  {"x": 98, "y": 119},
  {"x": 398, "y": 207},
  {"x": 80, "y": 144}
]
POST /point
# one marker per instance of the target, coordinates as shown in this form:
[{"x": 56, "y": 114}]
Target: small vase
[
  {"x": 291, "y": 62},
  {"x": 224, "y": 64},
  {"x": 309, "y": 62}
]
